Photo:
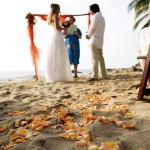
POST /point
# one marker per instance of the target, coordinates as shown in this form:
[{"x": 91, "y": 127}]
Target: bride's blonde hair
[{"x": 54, "y": 8}]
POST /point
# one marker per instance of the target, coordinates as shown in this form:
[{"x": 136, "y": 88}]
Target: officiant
[{"x": 72, "y": 36}]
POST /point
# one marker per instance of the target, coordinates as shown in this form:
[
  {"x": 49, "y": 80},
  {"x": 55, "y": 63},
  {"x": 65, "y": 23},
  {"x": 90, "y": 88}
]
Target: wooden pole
[{"x": 36, "y": 73}]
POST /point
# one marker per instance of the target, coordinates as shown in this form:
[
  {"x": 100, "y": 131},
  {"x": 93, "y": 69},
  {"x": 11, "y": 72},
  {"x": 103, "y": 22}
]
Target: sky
[{"x": 120, "y": 41}]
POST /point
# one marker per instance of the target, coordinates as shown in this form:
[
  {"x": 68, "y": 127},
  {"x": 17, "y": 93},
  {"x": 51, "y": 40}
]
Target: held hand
[{"x": 76, "y": 33}]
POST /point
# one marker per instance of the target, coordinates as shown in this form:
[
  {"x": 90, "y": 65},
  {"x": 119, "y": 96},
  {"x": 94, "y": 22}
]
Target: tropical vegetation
[{"x": 140, "y": 8}]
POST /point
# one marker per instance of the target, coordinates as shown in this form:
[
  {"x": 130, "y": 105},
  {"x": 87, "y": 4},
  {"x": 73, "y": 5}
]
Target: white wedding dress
[{"x": 57, "y": 61}]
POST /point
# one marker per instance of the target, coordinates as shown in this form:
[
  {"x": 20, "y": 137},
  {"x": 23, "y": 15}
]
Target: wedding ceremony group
[{"x": 107, "y": 109}]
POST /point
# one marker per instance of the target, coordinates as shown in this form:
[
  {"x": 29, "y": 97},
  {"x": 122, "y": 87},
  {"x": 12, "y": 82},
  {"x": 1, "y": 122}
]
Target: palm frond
[
  {"x": 140, "y": 7},
  {"x": 147, "y": 24},
  {"x": 140, "y": 11},
  {"x": 138, "y": 22},
  {"x": 132, "y": 5}
]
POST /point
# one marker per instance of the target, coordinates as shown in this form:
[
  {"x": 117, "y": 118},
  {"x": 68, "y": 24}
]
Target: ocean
[{"x": 19, "y": 75}]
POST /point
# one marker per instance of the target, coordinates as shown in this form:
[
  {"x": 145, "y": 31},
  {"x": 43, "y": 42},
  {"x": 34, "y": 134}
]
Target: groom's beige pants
[{"x": 97, "y": 58}]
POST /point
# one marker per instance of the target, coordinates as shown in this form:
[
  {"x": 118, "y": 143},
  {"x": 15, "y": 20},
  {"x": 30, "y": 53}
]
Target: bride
[{"x": 57, "y": 61}]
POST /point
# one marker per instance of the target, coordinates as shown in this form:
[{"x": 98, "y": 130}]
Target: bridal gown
[{"x": 57, "y": 61}]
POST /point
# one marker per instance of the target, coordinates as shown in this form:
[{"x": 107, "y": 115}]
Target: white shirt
[
  {"x": 144, "y": 40},
  {"x": 96, "y": 30}
]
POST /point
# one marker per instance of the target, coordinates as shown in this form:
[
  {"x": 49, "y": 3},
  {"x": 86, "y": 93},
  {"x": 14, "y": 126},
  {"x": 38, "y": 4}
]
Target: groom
[{"x": 95, "y": 36}]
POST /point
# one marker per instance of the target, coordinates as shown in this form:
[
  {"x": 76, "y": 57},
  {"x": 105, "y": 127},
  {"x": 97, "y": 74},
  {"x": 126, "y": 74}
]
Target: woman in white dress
[
  {"x": 144, "y": 43},
  {"x": 57, "y": 63}
]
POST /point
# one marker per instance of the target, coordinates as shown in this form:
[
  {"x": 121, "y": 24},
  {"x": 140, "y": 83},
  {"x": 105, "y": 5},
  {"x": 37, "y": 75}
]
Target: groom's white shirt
[{"x": 96, "y": 30}]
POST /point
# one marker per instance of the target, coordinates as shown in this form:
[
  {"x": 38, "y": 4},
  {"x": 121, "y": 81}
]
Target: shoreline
[
  {"x": 19, "y": 75},
  {"x": 7, "y": 76}
]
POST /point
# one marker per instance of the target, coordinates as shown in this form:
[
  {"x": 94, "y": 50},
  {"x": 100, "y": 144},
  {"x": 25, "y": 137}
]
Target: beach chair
[{"x": 145, "y": 76}]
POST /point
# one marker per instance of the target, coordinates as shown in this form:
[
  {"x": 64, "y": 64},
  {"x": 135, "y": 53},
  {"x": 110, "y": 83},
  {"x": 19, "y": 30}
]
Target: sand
[{"x": 77, "y": 115}]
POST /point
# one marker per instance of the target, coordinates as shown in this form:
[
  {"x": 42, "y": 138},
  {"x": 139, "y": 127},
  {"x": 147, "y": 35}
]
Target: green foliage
[{"x": 140, "y": 7}]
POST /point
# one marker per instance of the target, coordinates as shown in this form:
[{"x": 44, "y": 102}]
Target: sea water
[{"x": 18, "y": 75}]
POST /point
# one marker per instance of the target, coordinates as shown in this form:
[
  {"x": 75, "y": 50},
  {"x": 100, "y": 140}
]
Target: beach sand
[{"x": 78, "y": 115}]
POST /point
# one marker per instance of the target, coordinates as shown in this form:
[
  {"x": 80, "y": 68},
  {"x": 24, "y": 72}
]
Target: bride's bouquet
[{"x": 66, "y": 24}]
